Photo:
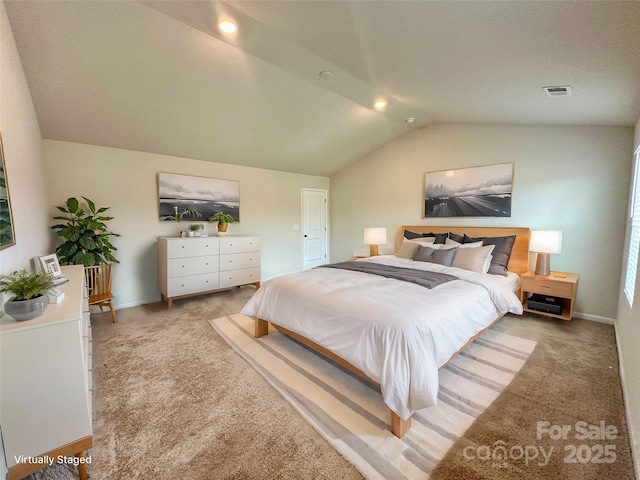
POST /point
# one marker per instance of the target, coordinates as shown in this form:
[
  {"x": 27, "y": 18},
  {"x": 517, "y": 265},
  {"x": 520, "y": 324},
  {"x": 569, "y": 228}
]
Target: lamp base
[
  {"x": 373, "y": 250},
  {"x": 543, "y": 264}
]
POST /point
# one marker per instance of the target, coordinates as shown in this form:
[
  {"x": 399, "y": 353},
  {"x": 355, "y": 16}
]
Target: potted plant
[
  {"x": 223, "y": 220},
  {"x": 30, "y": 293},
  {"x": 195, "y": 229},
  {"x": 87, "y": 237}
]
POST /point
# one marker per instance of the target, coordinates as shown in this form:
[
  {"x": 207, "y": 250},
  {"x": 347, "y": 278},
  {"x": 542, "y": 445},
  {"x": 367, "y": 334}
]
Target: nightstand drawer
[{"x": 547, "y": 287}]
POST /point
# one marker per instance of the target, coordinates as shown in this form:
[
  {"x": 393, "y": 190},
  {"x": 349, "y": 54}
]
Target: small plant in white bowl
[
  {"x": 196, "y": 229},
  {"x": 29, "y": 290}
]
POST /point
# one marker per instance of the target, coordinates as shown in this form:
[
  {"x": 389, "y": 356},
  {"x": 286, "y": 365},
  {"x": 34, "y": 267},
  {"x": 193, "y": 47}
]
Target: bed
[{"x": 397, "y": 333}]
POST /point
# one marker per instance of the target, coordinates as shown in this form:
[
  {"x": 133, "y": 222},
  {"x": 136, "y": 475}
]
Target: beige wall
[
  {"x": 628, "y": 334},
  {"x": 126, "y": 181},
  {"x": 571, "y": 178},
  {"x": 22, "y": 143}
]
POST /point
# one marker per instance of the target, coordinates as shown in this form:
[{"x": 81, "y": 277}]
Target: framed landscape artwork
[
  {"x": 469, "y": 192},
  {"x": 195, "y": 199}
]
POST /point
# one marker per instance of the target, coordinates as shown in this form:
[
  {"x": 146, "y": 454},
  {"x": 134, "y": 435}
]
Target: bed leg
[
  {"x": 262, "y": 328},
  {"x": 398, "y": 426}
]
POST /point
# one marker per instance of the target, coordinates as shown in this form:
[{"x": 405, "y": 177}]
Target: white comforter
[{"x": 397, "y": 333}]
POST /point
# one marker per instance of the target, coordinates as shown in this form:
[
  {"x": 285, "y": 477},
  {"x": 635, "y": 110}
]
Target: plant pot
[
  {"x": 22, "y": 310},
  {"x": 222, "y": 227}
]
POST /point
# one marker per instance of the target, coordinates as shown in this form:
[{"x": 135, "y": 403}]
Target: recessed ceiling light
[
  {"x": 325, "y": 74},
  {"x": 380, "y": 104},
  {"x": 410, "y": 119},
  {"x": 227, "y": 26}
]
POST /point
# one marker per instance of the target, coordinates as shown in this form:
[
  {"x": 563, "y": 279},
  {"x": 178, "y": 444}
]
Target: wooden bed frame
[{"x": 518, "y": 263}]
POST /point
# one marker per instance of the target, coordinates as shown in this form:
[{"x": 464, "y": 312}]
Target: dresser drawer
[
  {"x": 193, "y": 284},
  {"x": 239, "y": 277},
  {"x": 547, "y": 287},
  {"x": 234, "y": 261},
  {"x": 239, "y": 244},
  {"x": 192, "y": 247},
  {"x": 182, "y": 267}
]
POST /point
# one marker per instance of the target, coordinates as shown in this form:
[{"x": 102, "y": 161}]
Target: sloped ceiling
[{"x": 158, "y": 76}]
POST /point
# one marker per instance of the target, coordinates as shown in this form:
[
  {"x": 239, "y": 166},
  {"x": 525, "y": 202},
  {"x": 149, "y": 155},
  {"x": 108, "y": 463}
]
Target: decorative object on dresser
[
  {"x": 45, "y": 384},
  {"x": 30, "y": 298},
  {"x": 195, "y": 229},
  {"x": 469, "y": 192},
  {"x": 195, "y": 266},
  {"x": 544, "y": 242},
  {"x": 177, "y": 193},
  {"x": 373, "y": 237},
  {"x": 550, "y": 291},
  {"x": 87, "y": 237},
  {"x": 223, "y": 219},
  {"x": 7, "y": 234}
]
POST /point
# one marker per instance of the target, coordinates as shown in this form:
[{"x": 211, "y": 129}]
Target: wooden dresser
[
  {"x": 45, "y": 383},
  {"x": 198, "y": 265}
]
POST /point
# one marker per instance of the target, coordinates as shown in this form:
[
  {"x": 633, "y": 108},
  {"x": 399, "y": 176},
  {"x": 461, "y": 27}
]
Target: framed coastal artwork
[
  {"x": 7, "y": 232},
  {"x": 194, "y": 199},
  {"x": 469, "y": 192}
]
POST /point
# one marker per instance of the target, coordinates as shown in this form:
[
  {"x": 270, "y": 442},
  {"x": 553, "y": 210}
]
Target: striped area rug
[{"x": 351, "y": 415}]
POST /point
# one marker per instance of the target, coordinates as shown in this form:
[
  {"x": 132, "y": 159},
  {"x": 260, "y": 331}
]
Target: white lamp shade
[
  {"x": 546, "y": 241},
  {"x": 375, "y": 236}
]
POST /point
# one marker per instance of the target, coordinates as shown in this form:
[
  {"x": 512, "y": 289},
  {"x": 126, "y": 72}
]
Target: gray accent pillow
[
  {"x": 501, "y": 253},
  {"x": 407, "y": 250},
  {"x": 472, "y": 259},
  {"x": 440, "y": 237},
  {"x": 432, "y": 255}
]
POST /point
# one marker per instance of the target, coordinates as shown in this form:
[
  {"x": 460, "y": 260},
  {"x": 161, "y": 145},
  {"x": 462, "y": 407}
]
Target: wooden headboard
[{"x": 519, "y": 260}]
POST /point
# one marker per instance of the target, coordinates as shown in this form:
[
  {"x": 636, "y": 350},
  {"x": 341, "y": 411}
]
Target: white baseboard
[
  {"x": 594, "y": 318},
  {"x": 137, "y": 303}
]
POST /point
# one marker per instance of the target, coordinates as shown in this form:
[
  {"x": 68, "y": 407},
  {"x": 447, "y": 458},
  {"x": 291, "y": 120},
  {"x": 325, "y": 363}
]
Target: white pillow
[
  {"x": 473, "y": 259},
  {"x": 487, "y": 264},
  {"x": 442, "y": 246},
  {"x": 448, "y": 241},
  {"x": 425, "y": 241}
]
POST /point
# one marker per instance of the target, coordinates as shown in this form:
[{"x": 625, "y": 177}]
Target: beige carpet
[{"x": 173, "y": 401}]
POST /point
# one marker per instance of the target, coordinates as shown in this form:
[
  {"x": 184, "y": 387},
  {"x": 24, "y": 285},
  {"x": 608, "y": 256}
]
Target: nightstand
[{"x": 563, "y": 288}]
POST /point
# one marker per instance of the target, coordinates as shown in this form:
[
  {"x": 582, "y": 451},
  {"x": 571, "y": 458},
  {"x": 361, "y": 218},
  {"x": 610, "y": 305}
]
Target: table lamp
[
  {"x": 374, "y": 236},
  {"x": 545, "y": 242}
]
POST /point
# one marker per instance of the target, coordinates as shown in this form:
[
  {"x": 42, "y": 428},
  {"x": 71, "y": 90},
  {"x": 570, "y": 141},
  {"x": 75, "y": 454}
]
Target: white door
[{"x": 315, "y": 249}]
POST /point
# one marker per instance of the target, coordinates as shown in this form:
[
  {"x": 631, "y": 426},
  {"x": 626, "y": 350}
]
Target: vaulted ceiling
[{"x": 159, "y": 76}]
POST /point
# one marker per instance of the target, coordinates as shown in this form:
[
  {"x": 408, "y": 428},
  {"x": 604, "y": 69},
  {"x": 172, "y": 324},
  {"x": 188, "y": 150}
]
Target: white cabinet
[
  {"x": 193, "y": 266},
  {"x": 45, "y": 382}
]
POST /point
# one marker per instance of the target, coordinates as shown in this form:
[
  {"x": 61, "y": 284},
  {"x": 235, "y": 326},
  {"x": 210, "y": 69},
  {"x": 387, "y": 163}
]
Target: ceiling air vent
[{"x": 560, "y": 91}]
